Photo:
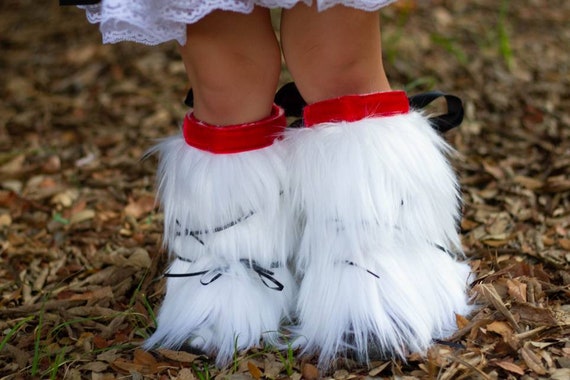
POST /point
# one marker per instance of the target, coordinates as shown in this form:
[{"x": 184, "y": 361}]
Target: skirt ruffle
[{"x": 152, "y": 22}]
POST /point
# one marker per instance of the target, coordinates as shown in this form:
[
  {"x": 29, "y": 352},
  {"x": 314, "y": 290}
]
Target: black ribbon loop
[
  {"x": 447, "y": 121},
  {"x": 264, "y": 274},
  {"x": 211, "y": 275}
]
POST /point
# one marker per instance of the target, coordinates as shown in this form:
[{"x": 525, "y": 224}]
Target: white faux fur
[
  {"x": 380, "y": 204},
  {"x": 202, "y": 193}
]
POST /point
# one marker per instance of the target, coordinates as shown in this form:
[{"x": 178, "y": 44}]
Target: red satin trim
[
  {"x": 356, "y": 107},
  {"x": 234, "y": 138}
]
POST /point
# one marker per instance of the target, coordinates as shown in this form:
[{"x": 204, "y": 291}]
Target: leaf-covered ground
[{"x": 80, "y": 238}]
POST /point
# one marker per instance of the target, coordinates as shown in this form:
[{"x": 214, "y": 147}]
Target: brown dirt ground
[{"x": 80, "y": 256}]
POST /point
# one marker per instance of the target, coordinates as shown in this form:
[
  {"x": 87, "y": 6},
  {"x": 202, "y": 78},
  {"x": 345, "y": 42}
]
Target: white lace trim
[{"x": 152, "y": 22}]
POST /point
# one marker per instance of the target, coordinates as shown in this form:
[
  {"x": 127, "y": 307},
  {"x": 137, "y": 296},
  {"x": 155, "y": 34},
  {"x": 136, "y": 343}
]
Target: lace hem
[{"x": 152, "y": 22}]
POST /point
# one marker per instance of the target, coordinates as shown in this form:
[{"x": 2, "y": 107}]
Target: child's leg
[
  {"x": 233, "y": 64},
  {"x": 221, "y": 188},
  {"x": 378, "y": 198},
  {"x": 333, "y": 53}
]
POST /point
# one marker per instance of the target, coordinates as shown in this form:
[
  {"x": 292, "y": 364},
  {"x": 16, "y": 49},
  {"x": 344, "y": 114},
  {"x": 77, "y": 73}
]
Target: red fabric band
[
  {"x": 356, "y": 107},
  {"x": 234, "y": 138}
]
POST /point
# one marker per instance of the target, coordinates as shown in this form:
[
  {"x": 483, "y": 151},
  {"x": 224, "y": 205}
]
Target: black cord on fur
[{"x": 264, "y": 274}]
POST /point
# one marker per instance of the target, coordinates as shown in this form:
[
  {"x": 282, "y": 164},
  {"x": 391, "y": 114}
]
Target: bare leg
[
  {"x": 233, "y": 64},
  {"x": 333, "y": 53}
]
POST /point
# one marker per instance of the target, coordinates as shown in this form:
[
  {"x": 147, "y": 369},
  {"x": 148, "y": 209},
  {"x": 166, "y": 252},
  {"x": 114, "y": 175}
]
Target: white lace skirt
[{"x": 152, "y": 22}]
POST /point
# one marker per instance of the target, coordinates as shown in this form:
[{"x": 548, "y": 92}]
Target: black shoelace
[{"x": 210, "y": 275}]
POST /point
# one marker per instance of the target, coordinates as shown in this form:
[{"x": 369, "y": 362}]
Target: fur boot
[
  {"x": 379, "y": 204},
  {"x": 227, "y": 231}
]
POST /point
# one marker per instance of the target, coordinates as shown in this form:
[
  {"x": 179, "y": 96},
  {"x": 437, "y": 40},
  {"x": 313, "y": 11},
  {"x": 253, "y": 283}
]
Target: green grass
[
  {"x": 57, "y": 363},
  {"x": 450, "y": 45},
  {"x": 37, "y": 341},
  {"x": 391, "y": 41},
  {"x": 424, "y": 83},
  {"x": 60, "y": 219},
  {"x": 503, "y": 36},
  {"x": 43, "y": 352},
  {"x": 288, "y": 360},
  {"x": 202, "y": 373},
  {"x": 14, "y": 330}
]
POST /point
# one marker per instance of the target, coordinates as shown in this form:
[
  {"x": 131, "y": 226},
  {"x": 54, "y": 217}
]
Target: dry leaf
[
  {"x": 140, "y": 206},
  {"x": 5, "y": 220},
  {"x": 532, "y": 361},
  {"x": 533, "y": 315},
  {"x": 501, "y": 328},
  {"x": 179, "y": 356},
  {"x": 129, "y": 366},
  {"x": 510, "y": 366},
  {"x": 309, "y": 372},
  {"x": 65, "y": 198},
  {"x": 461, "y": 321},
  {"x": 144, "y": 357},
  {"x": 565, "y": 244},
  {"x": 95, "y": 366},
  {"x": 377, "y": 370},
  {"x": 99, "y": 293},
  {"x": 517, "y": 290},
  {"x": 494, "y": 170},
  {"x": 528, "y": 182},
  {"x": 82, "y": 216},
  {"x": 493, "y": 297},
  {"x": 108, "y": 356},
  {"x": 185, "y": 374},
  {"x": 560, "y": 374},
  {"x": 254, "y": 370},
  {"x": 139, "y": 259},
  {"x": 14, "y": 166}
]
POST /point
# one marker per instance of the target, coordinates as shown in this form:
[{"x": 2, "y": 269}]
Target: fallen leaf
[
  {"x": 377, "y": 370},
  {"x": 517, "y": 290},
  {"x": 128, "y": 366},
  {"x": 490, "y": 293},
  {"x": 560, "y": 374},
  {"x": 14, "y": 166},
  {"x": 532, "y": 361},
  {"x": 501, "y": 328},
  {"x": 179, "y": 356},
  {"x": 528, "y": 182},
  {"x": 533, "y": 315},
  {"x": 309, "y": 372},
  {"x": 5, "y": 220},
  {"x": 82, "y": 216},
  {"x": 461, "y": 321},
  {"x": 144, "y": 357},
  {"x": 139, "y": 259},
  {"x": 95, "y": 366},
  {"x": 254, "y": 370},
  {"x": 510, "y": 366},
  {"x": 140, "y": 206},
  {"x": 97, "y": 294},
  {"x": 565, "y": 244},
  {"x": 185, "y": 374}
]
